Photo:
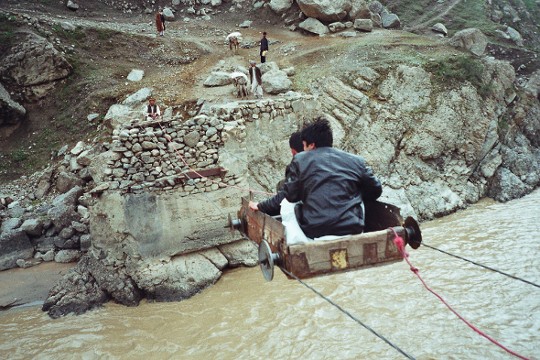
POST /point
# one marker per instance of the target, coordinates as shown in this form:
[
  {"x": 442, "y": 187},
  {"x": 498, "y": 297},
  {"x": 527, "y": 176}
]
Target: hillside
[{"x": 110, "y": 41}]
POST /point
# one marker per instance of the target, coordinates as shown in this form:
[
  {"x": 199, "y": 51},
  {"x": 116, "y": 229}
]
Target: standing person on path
[
  {"x": 160, "y": 22},
  {"x": 264, "y": 48},
  {"x": 255, "y": 77}
]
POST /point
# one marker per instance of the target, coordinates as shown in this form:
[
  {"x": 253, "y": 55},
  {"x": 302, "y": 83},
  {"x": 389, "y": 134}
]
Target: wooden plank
[
  {"x": 363, "y": 250},
  {"x": 260, "y": 227}
]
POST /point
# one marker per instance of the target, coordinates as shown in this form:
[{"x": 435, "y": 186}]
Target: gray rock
[
  {"x": 390, "y": 21},
  {"x": 177, "y": 279},
  {"x": 85, "y": 242},
  {"x": 376, "y": 7},
  {"x": 268, "y": 66},
  {"x": 439, "y": 28},
  {"x": 280, "y": 6},
  {"x": 325, "y": 10},
  {"x": 10, "y": 224},
  {"x": 44, "y": 244},
  {"x": 14, "y": 245},
  {"x": 505, "y": 186},
  {"x": 78, "y": 148},
  {"x": 336, "y": 26},
  {"x": 67, "y": 256},
  {"x": 245, "y": 24},
  {"x": 218, "y": 78},
  {"x": 67, "y": 181},
  {"x": 363, "y": 25},
  {"x": 472, "y": 40},
  {"x": 92, "y": 117},
  {"x": 168, "y": 14},
  {"x": 276, "y": 82},
  {"x": 515, "y": 36},
  {"x": 243, "y": 252},
  {"x": 135, "y": 75},
  {"x": 138, "y": 97},
  {"x": 44, "y": 183},
  {"x": 348, "y": 34},
  {"x": 32, "y": 227},
  {"x": 68, "y": 26},
  {"x": 24, "y": 264},
  {"x": 72, "y": 5},
  {"x": 191, "y": 139},
  {"x": 313, "y": 26},
  {"x": 34, "y": 64},
  {"x": 11, "y": 112}
]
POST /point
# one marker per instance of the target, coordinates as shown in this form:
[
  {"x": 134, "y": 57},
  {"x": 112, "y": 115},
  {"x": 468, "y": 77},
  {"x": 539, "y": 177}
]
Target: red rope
[{"x": 400, "y": 244}]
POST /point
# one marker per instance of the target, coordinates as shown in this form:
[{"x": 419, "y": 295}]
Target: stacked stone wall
[{"x": 184, "y": 154}]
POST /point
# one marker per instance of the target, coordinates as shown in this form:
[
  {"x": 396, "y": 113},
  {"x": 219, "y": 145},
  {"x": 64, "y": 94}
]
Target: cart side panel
[
  {"x": 322, "y": 257},
  {"x": 258, "y": 226}
]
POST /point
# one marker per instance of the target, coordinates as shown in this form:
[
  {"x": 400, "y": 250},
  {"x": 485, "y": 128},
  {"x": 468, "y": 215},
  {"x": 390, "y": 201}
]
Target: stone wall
[{"x": 185, "y": 155}]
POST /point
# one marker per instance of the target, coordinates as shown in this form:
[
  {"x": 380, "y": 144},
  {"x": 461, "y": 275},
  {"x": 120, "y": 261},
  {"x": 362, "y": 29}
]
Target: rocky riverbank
[{"x": 143, "y": 204}]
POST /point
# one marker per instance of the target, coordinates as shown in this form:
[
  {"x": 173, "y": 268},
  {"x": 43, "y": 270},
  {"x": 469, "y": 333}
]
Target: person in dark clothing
[
  {"x": 330, "y": 184},
  {"x": 271, "y": 206},
  {"x": 264, "y": 47}
]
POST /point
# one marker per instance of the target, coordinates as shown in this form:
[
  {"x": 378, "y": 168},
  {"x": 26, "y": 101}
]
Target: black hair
[
  {"x": 295, "y": 141},
  {"x": 318, "y": 132}
]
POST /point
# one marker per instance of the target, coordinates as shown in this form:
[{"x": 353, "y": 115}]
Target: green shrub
[
  {"x": 18, "y": 155},
  {"x": 457, "y": 70}
]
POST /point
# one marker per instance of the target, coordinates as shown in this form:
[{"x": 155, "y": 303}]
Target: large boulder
[
  {"x": 34, "y": 64},
  {"x": 314, "y": 26},
  {"x": 359, "y": 10},
  {"x": 218, "y": 78},
  {"x": 14, "y": 245},
  {"x": 276, "y": 82},
  {"x": 390, "y": 21},
  {"x": 280, "y": 6},
  {"x": 325, "y": 10},
  {"x": 168, "y": 14},
  {"x": 472, "y": 40}
]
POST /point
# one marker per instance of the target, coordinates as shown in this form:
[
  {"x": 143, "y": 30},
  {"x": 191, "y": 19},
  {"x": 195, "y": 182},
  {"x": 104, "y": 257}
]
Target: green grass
[
  {"x": 409, "y": 10},
  {"x": 72, "y": 36},
  {"x": 470, "y": 14},
  {"x": 8, "y": 25},
  {"x": 458, "y": 69}
]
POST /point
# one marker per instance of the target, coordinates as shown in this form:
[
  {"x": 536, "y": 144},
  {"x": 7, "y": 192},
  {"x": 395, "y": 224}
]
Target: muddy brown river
[{"x": 244, "y": 317}]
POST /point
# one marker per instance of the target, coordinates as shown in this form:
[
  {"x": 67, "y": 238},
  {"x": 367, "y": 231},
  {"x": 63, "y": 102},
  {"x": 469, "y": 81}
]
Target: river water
[{"x": 244, "y": 317}]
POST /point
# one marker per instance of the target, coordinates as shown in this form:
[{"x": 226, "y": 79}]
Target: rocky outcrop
[
  {"x": 33, "y": 65},
  {"x": 96, "y": 280},
  {"x": 470, "y": 39},
  {"x": 11, "y": 113},
  {"x": 436, "y": 151}
]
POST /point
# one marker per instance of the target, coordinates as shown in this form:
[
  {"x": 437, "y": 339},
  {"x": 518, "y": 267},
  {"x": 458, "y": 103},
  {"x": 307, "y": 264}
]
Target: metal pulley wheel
[
  {"x": 267, "y": 260},
  {"x": 414, "y": 235}
]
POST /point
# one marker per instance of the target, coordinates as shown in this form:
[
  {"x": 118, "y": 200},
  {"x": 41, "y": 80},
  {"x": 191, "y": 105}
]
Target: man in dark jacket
[
  {"x": 264, "y": 48},
  {"x": 271, "y": 206},
  {"x": 330, "y": 184}
]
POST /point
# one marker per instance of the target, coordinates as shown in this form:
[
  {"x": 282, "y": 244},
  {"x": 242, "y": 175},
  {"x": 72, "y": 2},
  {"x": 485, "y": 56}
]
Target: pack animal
[
  {"x": 240, "y": 83},
  {"x": 234, "y": 44}
]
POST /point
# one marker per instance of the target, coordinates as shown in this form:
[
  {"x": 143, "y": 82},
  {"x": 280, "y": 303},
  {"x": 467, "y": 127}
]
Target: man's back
[{"x": 332, "y": 185}]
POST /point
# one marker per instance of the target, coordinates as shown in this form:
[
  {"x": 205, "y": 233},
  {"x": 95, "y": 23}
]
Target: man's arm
[
  {"x": 292, "y": 187},
  {"x": 272, "y": 205},
  {"x": 371, "y": 187}
]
